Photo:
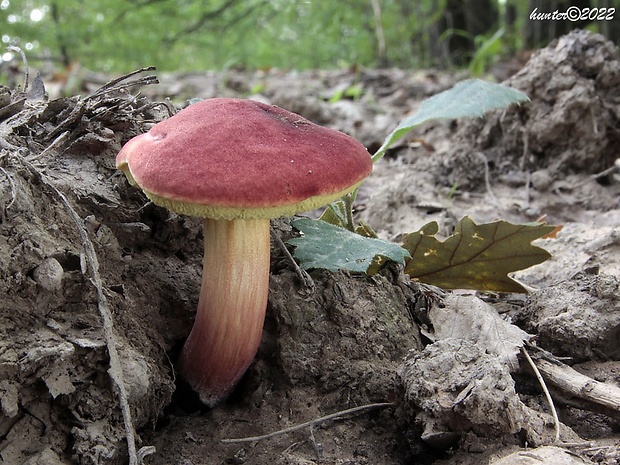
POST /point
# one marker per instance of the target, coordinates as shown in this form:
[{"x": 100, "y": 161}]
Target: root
[
  {"x": 310, "y": 423},
  {"x": 556, "y": 420}
]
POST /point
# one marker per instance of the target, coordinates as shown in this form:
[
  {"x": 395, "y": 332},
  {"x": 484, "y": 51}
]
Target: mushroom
[{"x": 237, "y": 163}]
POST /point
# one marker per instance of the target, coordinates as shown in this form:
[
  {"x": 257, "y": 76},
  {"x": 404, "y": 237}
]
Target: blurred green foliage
[
  {"x": 186, "y": 35},
  {"x": 117, "y": 35}
]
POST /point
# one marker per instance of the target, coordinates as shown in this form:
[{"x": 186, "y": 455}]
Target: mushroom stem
[{"x": 231, "y": 308}]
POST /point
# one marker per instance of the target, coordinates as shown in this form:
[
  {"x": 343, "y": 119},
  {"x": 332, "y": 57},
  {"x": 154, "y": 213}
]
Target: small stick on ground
[
  {"x": 556, "y": 420},
  {"x": 528, "y": 180},
  {"x": 13, "y": 190},
  {"x": 310, "y": 423},
  {"x": 112, "y": 85},
  {"x": 13, "y": 48},
  {"x": 593, "y": 177},
  {"x": 303, "y": 275},
  {"x": 569, "y": 380},
  {"x": 56, "y": 144},
  {"x": 487, "y": 179}
]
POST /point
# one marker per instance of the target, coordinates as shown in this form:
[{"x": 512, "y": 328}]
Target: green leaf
[
  {"x": 364, "y": 229},
  {"x": 332, "y": 248},
  {"x": 470, "y": 98},
  {"x": 335, "y": 214},
  {"x": 476, "y": 256}
]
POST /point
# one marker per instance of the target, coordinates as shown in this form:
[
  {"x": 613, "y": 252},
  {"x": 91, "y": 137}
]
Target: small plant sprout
[
  {"x": 476, "y": 256},
  {"x": 237, "y": 163}
]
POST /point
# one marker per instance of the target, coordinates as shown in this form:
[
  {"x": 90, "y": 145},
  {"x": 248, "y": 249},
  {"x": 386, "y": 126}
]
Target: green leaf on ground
[
  {"x": 330, "y": 247},
  {"x": 476, "y": 256},
  {"x": 467, "y": 99},
  {"x": 336, "y": 214}
]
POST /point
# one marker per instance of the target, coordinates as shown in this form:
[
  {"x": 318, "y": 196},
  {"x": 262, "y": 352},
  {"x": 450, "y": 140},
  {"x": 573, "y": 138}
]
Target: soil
[{"x": 99, "y": 287}]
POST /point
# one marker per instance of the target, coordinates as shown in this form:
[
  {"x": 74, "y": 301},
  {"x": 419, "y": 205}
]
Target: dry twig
[
  {"x": 13, "y": 48},
  {"x": 556, "y": 420},
  {"x": 571, "y": 381},
  {"x": 115, "y": 84},
  {"x": 303, "y": 275},
  {"x": 12, "y": 186},
  {"x": 487, "y": 179},
  {"x": 310, "y": 423}
]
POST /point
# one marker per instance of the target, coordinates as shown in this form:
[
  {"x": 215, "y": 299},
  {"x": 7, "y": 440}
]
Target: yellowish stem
[{"x": 231, "y": 308}]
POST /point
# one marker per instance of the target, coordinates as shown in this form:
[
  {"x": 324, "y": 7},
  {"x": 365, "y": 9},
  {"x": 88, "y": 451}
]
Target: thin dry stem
[
  {"x": 556, "y": 420},
  {"x": 303, "y": 275},
  {"x": 317, "y": 421},
  {"x": 12, "y": 186},
  {"x": 13, "y": 48},
  {"x": 114, "y": 84},
  {"x": 569, "y": 380},
  {"x": 487, "y": 179}
]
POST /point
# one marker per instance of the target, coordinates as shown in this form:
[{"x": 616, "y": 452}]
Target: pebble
[{"x": 49, "y": 274}]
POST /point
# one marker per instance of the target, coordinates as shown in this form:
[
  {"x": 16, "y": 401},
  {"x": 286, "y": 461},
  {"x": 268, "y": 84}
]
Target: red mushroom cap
[{"x": 231, "y": 158}]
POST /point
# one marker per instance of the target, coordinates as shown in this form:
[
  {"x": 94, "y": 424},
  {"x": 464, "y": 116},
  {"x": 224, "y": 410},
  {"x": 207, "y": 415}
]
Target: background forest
[{"x": 188, "y": 35}]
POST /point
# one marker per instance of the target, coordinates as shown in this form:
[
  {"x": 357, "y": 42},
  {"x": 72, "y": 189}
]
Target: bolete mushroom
[{"x": 237, "y": 163}]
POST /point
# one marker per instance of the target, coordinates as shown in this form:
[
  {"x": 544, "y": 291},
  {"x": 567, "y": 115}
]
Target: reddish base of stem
[{"x": 231, "y": 308}]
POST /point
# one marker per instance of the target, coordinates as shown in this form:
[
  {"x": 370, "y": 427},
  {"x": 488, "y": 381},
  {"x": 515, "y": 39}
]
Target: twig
[
  {"x": 303, "y": 275},
  {"x": 13, "y": 48},
  {"x": 593, "y": 177},
  {"x": 92, "y": 104},
  {"x": 12, "y": 185},
  {"x": 110, "y": 85},
  {"x": 314, "y": 422},
  {"x": 579, "y": 385},
  {"x": 74, "y": 115},
  {"x": 487, "y": 179},
  {"x": 318, "y": 447},
  {"x": 528, "y": 180},
  {"x": 116, "y": 370},
  {"x": 526, "y": 149},
  {"x": 556, "y": 420},
  {"x": 51, "y": 148}
]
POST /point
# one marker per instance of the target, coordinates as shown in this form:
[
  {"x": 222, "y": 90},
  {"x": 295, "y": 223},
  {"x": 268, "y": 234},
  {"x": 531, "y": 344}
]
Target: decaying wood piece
[
  {"x": 547, "y": 454},
  {"x": 571, "y": 381}
]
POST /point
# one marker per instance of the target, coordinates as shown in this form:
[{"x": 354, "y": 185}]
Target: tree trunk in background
[
  {"x": 460, "y": 23},
  {"x": 63, "y": 47},
  {"x": 610, "y": 29},
  {"x": 510, "y": 26}
]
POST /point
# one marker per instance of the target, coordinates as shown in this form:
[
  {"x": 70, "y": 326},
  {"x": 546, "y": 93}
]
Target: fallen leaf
[
  {"x": 476, "y": 256},
  {"x": 553, "y": 234},
  {"x": 330, "y": 247},
  {"x": 468, "y": 317}
]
